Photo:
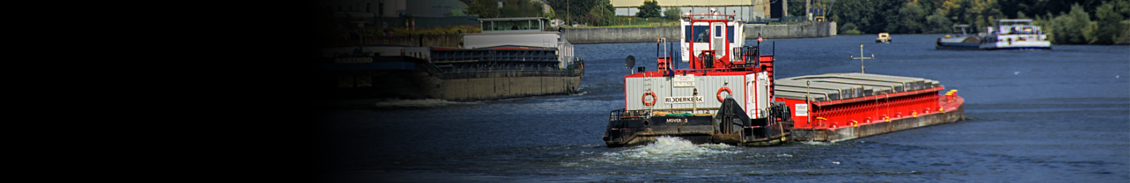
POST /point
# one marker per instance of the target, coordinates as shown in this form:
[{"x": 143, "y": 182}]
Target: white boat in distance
[
  {"x": 883, "y": 38},
  {"x": 1015, "y": 34}
]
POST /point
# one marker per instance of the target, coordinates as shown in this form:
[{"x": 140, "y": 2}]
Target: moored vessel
[
  {"x": 511, "y": 57},
  {"x": 1015, "y": 34},
  {"x": 961, "y": 39},
  {"x": 379, "y": 72}
]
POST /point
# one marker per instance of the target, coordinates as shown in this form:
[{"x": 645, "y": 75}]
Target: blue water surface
[{"x": 1059, "y": 115}]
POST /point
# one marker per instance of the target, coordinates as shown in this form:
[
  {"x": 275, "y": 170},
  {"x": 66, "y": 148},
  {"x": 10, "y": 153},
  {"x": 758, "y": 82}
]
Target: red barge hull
[
  {"x": 844, "y": 106},
  {"x": 952, "y": 114}
]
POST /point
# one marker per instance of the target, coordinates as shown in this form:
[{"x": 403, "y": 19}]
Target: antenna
[{"x": 861, "y": 57}]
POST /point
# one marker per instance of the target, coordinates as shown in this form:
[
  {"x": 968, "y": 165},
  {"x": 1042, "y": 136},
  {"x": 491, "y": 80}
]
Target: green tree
[
  {"x": 797, "y": 8},
  {"x": 649, "y": 9},
  {"x": 510, "y": 11},
  {"x": 849, "y": 28},
  {"x": 1073, "y": 27},
  {"x": 938, "y": 23},
  {"x": 1050, "y": 25},
  {"x": 551, "y": 13},
  {"x": 521, "y": 8},
  {"x": 858, "y": 13},
  {"x": 982, "y": 13},
  {"x": 1079, "y": 19},
  {"x": 575, "y": 10},
  {"x": 534, "y": 8},
  {"x": 484, "y": 8},
  {"x": 601, "y": 15},
  {"x": 1109, "y": 24},
  {"x": 912, "y": 17},
  {"x": 673, "y": 13}
]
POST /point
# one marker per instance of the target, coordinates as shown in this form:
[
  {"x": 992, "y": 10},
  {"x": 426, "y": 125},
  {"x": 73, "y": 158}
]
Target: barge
[
  {"x": 843, "y": 106},
  {"x": 379, "y": 72},
  {"x": 751, "y": 108},
  {"x": 511, "y": 57},
  {"x": 963, "y": 41}
]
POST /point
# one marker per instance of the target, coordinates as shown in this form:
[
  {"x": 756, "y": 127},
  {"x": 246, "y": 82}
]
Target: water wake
[
  {"x": 817, "y": 143},
  {"x": 668, "y": 149}
]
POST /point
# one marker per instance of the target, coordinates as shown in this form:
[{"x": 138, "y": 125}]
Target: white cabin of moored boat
[
  {"x": 520, "y": 32},
  {"x": 1015, "y": 34}
]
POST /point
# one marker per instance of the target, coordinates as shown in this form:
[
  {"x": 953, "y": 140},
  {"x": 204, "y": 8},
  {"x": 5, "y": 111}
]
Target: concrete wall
[
  {"x": 742, "y": 12},
  {"x": 649, "y": 34},
  {"x": 802, "y": 30},
  {"x": 619, "y": 35},
  {"x": 445, "y": 40},
  {"x": 471, "y": 89},
  {"x": 606, "y": 35}
]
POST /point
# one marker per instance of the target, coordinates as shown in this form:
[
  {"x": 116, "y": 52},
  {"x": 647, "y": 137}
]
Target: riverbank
[{"x": 649, "y": 34}]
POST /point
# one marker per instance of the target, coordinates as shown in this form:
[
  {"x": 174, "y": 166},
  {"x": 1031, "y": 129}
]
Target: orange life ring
[
  {"x": 723, "y": 89},
  {"x": 644, "y": 98}
]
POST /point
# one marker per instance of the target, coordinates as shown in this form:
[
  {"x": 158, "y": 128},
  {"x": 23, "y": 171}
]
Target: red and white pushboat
[
  {"x": 677, "y": 102},
  {"x": 750, "y": 108}
]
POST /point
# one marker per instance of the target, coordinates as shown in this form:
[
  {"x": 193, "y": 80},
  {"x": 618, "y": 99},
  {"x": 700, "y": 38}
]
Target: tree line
[
  {"x": 1066, "y": 21},
  {"x": 510, "y": 8}
]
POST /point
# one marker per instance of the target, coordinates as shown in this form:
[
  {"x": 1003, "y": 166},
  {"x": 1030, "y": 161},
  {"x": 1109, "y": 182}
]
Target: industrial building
[{"x": 748, "y": 10}]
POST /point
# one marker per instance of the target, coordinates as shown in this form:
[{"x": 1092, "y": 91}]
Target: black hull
[
  {"x": 393, "y": 77},
  {"x": 730, "y": 126}
]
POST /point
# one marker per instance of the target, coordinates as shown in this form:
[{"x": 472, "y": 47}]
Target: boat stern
[
  {"x": 630, "y": 128},
  {"x": 730, "y": 125}
]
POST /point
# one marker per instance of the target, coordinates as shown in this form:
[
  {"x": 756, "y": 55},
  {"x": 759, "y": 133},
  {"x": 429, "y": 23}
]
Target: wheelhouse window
[
  {"x": 730, "y": 34},
  {"x": 696, "y": 33},
  {"x": 717, "y": 31}
]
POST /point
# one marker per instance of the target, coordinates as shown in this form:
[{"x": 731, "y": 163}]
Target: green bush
[
  {"x": 673, "y": 13},
  {"x": 1109, "y": 25},
  {"x": 650, "y": 9},
  {"x": 850, "y": 28}
]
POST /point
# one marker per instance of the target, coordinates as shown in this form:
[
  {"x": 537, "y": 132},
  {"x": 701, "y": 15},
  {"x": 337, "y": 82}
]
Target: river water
[{"x": 1060, "y": 115}]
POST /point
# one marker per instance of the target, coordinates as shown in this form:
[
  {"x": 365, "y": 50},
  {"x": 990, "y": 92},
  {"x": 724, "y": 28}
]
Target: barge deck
[{"x": 843, "y": 106}]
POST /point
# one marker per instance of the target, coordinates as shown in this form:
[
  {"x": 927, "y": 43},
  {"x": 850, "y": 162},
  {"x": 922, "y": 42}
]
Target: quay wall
[
  {"x": 428, "y": 40},
  {"x": 599, "y": 35},
  {"x": 472, "y": 89},
  {"x": 649, "y": 34}
]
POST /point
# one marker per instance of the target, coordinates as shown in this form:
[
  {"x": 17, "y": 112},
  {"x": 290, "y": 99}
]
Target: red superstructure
[{"x": 724, "y": 97}]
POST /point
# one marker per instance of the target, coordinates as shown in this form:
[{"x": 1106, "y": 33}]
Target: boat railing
[
  {"x": 750, "y": 56},
  {"x": 615, "y": 114},
  {"x": 458, "y": 73}
]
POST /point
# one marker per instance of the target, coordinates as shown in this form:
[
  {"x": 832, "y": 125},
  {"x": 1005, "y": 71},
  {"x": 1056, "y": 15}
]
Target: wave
[
  {"x": 422, "y": 103},
  {"x": 668, "y": 149}
]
